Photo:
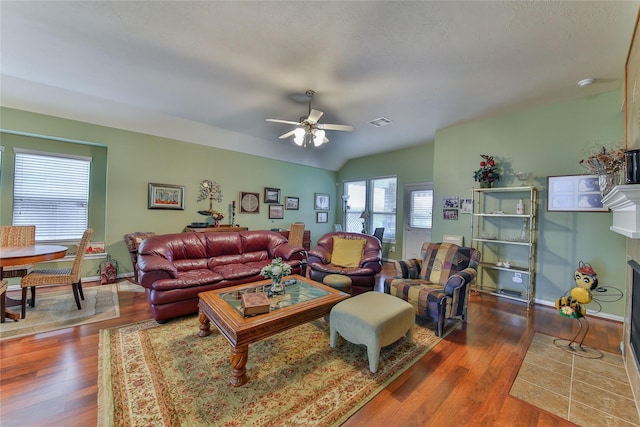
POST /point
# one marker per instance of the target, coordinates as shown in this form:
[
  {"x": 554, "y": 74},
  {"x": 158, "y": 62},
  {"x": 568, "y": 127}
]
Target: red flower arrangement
[{"x": 488, "y": 172}]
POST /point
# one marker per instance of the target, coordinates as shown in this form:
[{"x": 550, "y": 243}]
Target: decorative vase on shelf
[{"x": 486, "y": 184}]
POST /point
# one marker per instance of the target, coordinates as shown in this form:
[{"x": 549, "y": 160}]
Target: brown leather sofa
[
  {"x": 174, "y": 268},
  {"x": 363, "y": 276}
]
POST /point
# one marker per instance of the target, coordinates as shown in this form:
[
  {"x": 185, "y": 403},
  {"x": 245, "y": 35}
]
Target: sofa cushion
[
  {"x": 236, "y": 271},
  {"x": 187, "y": 279},
  {"x": 347, "y": 252},
  {"x": 439, "y": 261}
]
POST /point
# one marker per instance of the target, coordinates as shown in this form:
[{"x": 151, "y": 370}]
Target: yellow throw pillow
[{"x": 347, "y": 252}]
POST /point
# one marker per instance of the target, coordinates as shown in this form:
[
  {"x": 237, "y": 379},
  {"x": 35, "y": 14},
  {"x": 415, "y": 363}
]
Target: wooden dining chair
[
  {"x": 17, "y": 235},
  {"x": 296, "y": 233},
  {"x": 61, "y": 276}
]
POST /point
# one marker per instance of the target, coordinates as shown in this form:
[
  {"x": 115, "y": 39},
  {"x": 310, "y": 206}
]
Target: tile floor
[{"x": 588, "y": 392}]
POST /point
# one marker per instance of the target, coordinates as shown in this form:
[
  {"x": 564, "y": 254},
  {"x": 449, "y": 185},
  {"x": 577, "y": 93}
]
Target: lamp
[{"x": 345, "y": 199}]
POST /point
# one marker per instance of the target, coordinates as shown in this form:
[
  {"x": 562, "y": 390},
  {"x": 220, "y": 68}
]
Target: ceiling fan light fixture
[
  {"x": 298, "y": 140},
  {"x": 299, "y": 133}
]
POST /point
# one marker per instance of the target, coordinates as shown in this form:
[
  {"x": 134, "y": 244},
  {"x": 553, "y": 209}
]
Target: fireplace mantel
[{"x": 624, "y": 202}]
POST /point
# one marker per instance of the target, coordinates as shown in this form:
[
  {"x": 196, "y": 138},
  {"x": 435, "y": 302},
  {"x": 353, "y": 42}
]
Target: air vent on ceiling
[{"x": 382, "y": 121}]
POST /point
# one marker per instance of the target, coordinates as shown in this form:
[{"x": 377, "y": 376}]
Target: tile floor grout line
[{"x": 573, "y": 361}]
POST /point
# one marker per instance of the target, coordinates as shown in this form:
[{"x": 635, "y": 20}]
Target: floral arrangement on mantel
[
  {"x": 488, "y": 173},
  {"x": 213, "y": 191},
  {"x": 607, "y": 163}
]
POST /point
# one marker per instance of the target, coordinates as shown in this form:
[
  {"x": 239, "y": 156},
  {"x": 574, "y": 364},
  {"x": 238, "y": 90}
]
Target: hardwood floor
[{"x": 51, "y": 379}]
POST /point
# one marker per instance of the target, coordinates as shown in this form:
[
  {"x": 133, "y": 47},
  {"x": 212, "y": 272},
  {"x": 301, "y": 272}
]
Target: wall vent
[{"x": 382, "y": 121}]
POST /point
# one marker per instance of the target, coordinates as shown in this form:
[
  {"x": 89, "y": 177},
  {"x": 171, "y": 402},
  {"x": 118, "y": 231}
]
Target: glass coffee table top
[{"x": 294, "y": 293}]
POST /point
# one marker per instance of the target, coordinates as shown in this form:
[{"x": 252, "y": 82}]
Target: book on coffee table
[{"x": 255, "y": 303}]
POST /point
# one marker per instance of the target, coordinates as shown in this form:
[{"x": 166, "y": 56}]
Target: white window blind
[{"x": 51, "y": 192}]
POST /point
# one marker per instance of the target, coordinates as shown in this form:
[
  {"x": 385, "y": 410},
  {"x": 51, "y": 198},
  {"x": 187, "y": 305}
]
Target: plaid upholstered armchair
[{"x": 437, "y": 286}]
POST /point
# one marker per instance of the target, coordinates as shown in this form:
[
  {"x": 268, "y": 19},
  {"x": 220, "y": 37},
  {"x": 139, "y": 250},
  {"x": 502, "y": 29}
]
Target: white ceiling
[{"x": 210, "y": 72}]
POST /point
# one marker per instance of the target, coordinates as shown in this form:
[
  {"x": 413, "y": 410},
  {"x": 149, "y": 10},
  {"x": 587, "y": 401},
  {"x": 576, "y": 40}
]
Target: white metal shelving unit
[{"x": 501, "y": 235}]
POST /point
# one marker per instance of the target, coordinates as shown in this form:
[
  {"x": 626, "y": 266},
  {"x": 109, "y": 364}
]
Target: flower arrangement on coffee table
[
  {"x": 276, "y": 271},
  {"x": 488, "y": 173}
]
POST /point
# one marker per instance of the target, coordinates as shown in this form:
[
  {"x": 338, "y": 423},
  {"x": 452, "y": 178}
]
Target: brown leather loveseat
[{"x": 174, "y": 268}]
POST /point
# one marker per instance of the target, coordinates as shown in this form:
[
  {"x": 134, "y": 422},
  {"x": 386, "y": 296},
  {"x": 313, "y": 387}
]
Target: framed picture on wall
[
  {"x": 322, "y": 217},
  {"x": 249, "y": 202},
  {"x": 271, "y": 195},
  {"x": 466, "y": 206},
  {"x": 450, "y": 202},
  {"x": 321, "y": 202},
  {"x": 450, "y": 214},
  {"x": 574, "y": 193},
  {"x": 276, "y": 211},
  {"x": 166, "y": 196},
  {"x": 292, "y": 203}
]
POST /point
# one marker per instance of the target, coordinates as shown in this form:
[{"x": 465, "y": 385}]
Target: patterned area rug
[
  {"x": 165, "y": 375},
  {"x": 58, "y": 310}
]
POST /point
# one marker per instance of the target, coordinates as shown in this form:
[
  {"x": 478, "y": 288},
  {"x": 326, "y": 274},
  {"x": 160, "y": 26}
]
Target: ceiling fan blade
[
  {"x": 327, "y": 126},
  {"x": 287, "y": 135},
  {"x": 286, "y": 122},
  {"x": 314, "y": 116}
]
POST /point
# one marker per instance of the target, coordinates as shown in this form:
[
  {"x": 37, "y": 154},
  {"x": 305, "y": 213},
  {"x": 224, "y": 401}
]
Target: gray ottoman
[{"x": 373, "y": 319}]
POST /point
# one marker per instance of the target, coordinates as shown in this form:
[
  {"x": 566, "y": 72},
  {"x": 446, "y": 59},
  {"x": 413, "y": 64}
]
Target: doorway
[{"x": 418, "y": 218}]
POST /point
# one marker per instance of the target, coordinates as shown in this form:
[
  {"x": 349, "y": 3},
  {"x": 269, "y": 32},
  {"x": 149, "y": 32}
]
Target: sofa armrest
[
  {"x": 289, "y": 252},
  {"x": 408, "y": 268},
  {"x": 321, "y": 253},
  {"x": 152, "y": 268},
  {"x": 459, "y": 280},
  {"x": 369, "y": 258}
]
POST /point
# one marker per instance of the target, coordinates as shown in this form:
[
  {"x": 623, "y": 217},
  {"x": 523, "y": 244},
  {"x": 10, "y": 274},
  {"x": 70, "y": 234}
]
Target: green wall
[
  {"x": 410, "y": 165},
  {"x": 545, "y": 141},
  {"x": 133, "y": 160}
]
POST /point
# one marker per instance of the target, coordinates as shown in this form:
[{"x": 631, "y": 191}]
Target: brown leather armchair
[{"x": 319, "y": 261}]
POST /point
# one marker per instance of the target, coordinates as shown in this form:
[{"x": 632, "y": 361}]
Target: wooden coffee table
[{"x": 302, "y": 302}]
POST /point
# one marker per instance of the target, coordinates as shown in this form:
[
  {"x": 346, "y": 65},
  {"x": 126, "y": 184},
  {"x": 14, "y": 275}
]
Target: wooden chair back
[{"x": 296, "y": 233}]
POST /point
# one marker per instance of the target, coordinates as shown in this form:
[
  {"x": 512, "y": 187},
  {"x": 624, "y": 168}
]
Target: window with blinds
[{"x": 51, "y": 191}]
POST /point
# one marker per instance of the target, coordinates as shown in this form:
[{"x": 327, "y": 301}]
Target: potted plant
[{"x": 607, "y": 164}]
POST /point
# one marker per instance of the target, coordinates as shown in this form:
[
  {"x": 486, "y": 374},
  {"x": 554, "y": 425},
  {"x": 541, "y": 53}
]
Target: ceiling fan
[{"x": 308, "y": 129}]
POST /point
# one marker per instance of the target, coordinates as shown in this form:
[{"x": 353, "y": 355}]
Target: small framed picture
[
  {"x": 321, "y": 201},
  {"x": 271, "y": 195},
  {"x": 466, "y": 206},
  {"x": 276, "y": 211},
  {"x": 166, "y": 196},
  {"x": 450, "y": 214},
  {"x": 322, "y": 216},
  {"x": 450, "y": 202},
  {"x": 292, "y": 203}
]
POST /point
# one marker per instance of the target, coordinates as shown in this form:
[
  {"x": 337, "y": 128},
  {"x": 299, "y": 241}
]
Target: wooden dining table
[{"x": 11, "y": 256}]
